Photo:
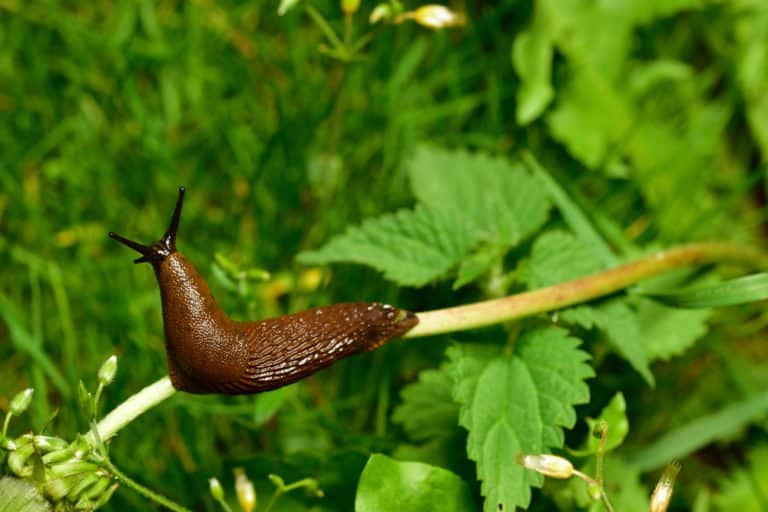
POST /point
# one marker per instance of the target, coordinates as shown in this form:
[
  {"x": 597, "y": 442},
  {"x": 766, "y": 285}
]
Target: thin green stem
[
  {"x": 144, "y": 491},
  {"x": 513, "y": 307},
  {"x": 6, "y": 422},
  {"x": 323, "y": 25}
]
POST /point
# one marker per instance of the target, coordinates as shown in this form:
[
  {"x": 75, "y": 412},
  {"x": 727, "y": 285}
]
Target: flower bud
[
  {"x": 350, "y": 6},
  {"x": 108, "y": 370},
  {"x": 549, "y": 465},
  {"x": 379, "y": 13},
  {"x": 246, "y": 494},
  {"x": 21, "y": 401},
  {"x": 663, "y": 491},
  {"x": 435, "y": 16},
  {"x": 215, "y": 487}
]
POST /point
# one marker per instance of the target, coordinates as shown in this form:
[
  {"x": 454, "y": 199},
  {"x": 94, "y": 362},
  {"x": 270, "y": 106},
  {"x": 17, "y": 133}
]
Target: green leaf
[
  {"x": 745, "y": 489},
  {"x": 428, "y": 409},
  {"x": 477, "y": 264},
  {"x": 714, "y": 295},
  {"x": 464, "y": 199},
  {"x": 390, "y": 485},
  {"x": 18, "y": 495},
  {"x": 619, "y": 321},
  {"x": 517, "y": 403},
  {"x": 666, "y": 331},
  {"x": 411, "y": 247},
  {"x": 752, "y": 68},
  {"x": 532, "y": 58},
  {"x": 502, "y": 201},
  {"x": 702, "y": 431},
  {"x": 614, "y": 415},
  {"x": 576, "y": 218},
  {"x": 557, "y": 257}
]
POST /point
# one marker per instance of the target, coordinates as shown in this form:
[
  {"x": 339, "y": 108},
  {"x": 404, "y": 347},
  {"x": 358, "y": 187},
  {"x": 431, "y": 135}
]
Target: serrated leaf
[
  {"x": 619, "y": 322},
  {"x": 428, "y": 409},
  {"x": 411, "y": 247},
  {"x": 464, "y": 199},
  {"x": 517, "y": 403},
  {"x": 501, "y": 200},
  {"x": 477, "y": 264},
  {"x": 666, "y": 331},
  {"x": 387, "y": 484},
  {"x": 557, "y": 257}
]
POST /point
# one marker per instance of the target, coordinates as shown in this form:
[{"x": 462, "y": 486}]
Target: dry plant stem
[{"x": 490, "y": 312}]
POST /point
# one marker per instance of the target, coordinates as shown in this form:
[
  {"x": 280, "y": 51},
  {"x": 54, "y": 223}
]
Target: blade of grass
[
  {"x": 741, "y": 290},
  {"x": 700, "y": 432},
  {"x": 26, "y": 343},
  {"x": 574, "y": 216}
]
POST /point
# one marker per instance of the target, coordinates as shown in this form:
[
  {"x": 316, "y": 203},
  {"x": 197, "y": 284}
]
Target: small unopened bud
[
  {"x": 379, "y": 13},
  {"x": 108, "y": 370},
  {"x": 21, "y": 401},
  {"x": 350, "y": 6},
  {"x": 246, "y": 494},
  {"x": 215, "y": 488},
  {"x": 663, "y": 491},
  {"x": 435, "y": 16},
  {"x": 549, "y": 465}
]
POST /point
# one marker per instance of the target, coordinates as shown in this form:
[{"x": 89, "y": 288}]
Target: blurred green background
[{"x": 654, "y": 114}]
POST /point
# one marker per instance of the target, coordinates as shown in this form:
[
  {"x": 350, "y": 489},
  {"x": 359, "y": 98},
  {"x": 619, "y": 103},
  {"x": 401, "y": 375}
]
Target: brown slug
[{"x": 209, "y": 353}]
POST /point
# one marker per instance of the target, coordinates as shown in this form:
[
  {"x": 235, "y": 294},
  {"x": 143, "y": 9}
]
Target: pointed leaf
[
  {"x": 517, "y": 403},
  {"x": 411, "y": 247}
]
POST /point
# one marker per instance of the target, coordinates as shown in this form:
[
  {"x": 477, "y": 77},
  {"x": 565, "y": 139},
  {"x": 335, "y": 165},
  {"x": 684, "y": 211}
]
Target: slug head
[{"x": 159, "y": 250}]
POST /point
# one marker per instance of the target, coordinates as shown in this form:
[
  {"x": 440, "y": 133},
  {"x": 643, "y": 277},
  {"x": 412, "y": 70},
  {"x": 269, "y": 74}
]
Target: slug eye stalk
[{"x": 159, "y": 250}]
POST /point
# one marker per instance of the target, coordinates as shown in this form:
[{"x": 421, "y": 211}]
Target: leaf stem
[{"x": 512, "y": 307}]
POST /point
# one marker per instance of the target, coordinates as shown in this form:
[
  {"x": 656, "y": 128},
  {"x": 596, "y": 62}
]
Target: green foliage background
[{"x": 652, "y": 115}]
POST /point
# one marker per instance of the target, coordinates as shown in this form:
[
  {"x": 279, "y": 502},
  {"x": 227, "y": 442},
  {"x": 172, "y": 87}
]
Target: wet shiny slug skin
[{"x": 209, "y": 353}]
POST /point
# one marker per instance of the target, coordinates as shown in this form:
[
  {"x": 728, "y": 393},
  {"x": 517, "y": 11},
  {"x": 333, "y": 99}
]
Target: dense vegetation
[{"x": 537, "y": 143}]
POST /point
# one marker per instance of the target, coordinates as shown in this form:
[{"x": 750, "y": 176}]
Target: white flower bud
[{"x": 549, "y": 465}]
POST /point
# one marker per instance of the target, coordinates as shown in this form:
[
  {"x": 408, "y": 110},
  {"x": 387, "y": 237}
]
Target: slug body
[{"x": 210, "y": 353}]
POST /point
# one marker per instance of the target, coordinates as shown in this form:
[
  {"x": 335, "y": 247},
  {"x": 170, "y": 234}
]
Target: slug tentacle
[{"x": 209, "y": 353}]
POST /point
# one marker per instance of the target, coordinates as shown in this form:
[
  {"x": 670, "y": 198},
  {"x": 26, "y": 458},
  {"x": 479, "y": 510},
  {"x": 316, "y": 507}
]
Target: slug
[{"x": 210, "y": 353}]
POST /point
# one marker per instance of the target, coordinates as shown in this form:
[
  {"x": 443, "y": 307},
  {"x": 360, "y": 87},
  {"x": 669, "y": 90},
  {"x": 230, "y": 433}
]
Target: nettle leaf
[
  {"x": 391, "y": 485},
  {"x": 513, "y": 403},
  {"x": 667, "y": 331},
  {"x": 464, "y": 200},
  {"x": 428, "y": 409},
  {"x": 558, "y": 256},
  {"x": 411, "y": 247},
  {"x": 503, "y": 200}
]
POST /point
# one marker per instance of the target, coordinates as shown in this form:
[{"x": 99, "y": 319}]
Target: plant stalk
[{"x": 513, "y": 307}]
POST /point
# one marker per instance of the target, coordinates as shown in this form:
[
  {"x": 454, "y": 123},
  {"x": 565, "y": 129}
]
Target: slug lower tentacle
[{"x": 210, "y": 353}]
